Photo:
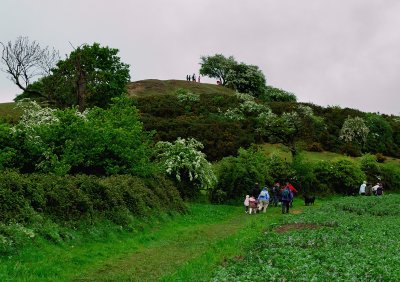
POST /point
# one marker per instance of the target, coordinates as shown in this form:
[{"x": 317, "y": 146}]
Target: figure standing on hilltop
[
  {"x": 187, "y": 77},
  {"x": 194, "y": 77},
  {"x": 198, "y": 79}
]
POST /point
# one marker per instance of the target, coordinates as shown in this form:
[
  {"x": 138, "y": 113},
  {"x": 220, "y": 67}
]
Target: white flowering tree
[
  {"x": 354, "y": 130},
  {"x": 247, "y": 107},
  {"x": 96, "y": 141},
  {"x": 184, "y": 161}
]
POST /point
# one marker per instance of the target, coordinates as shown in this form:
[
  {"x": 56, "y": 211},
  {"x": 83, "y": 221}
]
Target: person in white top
[
  {"x": 374, "y": 188},
  {"x": 362, "y": 188}
]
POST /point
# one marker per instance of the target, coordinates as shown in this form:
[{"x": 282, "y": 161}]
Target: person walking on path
[
  {"x": 292, "y": 191},
  {"x": 256, "y": 190},
  {"x": 286, "y": 198},
  {"x": 252, "y": 205},
  {"x": 275, "y": 194},
  {"x": 263, "y": 199}
]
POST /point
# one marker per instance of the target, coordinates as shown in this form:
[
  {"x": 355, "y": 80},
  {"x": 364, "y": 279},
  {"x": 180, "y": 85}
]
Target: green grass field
[
  {"x": 338, "y": 239},
  {"x": 347, "y": 239},
  {"x": 174, "y": 249}
]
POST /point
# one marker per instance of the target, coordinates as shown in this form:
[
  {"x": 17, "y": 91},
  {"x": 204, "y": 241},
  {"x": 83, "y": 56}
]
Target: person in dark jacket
[
  {"x": 286, "y": 198},
  {"x": 275, "y": 194},
  {"x": 256, "y": 190}
]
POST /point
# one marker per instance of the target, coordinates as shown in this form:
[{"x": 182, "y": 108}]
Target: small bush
[{"x": 380, "y": 158}]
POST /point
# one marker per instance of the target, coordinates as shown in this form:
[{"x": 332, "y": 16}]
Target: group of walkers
[
  {"x": 192, "y": 78},
  {"x": 259, "y": 199},
  {"x": 366, "y": 189}
]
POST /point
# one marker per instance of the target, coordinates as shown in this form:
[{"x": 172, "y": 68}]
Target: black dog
[{"x": 309, "y": 200}]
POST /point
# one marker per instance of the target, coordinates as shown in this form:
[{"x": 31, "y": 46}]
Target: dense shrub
[
  {"x": 71, "y": 198},
  {"x": 341, "y": 176},
  {"x": 220, "y": 138},
  {"x": 371, "y": 168},
  {"x": 390, "y": 175},
  {"x": 237, "y": 175},
  {"x": 304, "y": 178},
  {"x": 98, "y": 141}
]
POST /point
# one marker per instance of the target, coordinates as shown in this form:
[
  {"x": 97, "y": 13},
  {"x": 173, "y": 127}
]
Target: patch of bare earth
[
  {"x": 296, "y": 211},
  {"x": 296, "y": 226}
]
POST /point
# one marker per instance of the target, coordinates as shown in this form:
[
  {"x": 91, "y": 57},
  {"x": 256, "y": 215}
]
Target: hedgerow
[{"x": 71, "y": 198}]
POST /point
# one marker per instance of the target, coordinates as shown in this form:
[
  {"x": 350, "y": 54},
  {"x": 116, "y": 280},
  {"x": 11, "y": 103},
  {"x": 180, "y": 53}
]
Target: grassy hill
[
  {"x": 140, "y": 89},
  {"x": 169, "y": 87}
]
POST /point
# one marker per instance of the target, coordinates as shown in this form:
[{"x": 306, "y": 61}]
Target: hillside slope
[
  {"x": 208, "y": 112},
  {"x": 163, "y": 87}
]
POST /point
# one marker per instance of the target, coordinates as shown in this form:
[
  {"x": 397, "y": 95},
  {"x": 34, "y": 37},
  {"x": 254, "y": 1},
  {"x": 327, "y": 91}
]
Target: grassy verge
[{"x": 185, "y": 247}]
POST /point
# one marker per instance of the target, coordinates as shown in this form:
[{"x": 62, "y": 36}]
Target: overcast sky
[{"x": 328, "y": 52}]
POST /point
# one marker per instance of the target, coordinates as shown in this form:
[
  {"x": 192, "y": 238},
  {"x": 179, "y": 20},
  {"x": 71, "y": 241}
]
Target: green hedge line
[{"x": 65, "y": 199}]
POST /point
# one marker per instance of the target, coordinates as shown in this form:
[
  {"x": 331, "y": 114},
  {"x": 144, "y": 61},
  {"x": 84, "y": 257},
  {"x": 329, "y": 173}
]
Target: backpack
[{"x": 285, "y": 194}]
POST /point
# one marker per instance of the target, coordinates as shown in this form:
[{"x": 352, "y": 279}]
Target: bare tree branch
[{"x": 24, "y": 60}]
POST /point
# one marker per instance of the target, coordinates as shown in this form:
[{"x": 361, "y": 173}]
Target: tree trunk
[{"x": 81, "y": 85}]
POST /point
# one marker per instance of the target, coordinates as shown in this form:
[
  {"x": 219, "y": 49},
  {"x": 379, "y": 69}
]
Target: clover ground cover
[{"x": 347, "y": 239}]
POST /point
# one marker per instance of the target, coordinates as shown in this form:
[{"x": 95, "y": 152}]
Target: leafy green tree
[
  {"x": 90, "y": 76},
  {"x": 246, "y": 79},
  {"x": 239, "y": 76},
  {"x": 217, "y": 66},
  {"x": 273, "y": 94},
  {"x": 289, "y": 127},
  {"x": 380, "y": 137}
]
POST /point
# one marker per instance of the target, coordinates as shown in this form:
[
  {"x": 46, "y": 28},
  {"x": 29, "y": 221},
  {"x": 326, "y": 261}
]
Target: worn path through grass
[{"x": 190, "y": 252}]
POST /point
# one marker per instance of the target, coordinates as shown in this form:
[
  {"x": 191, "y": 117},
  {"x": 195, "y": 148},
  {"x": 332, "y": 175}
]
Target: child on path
[
  {"x": 246, "y": 203},
  {"x": 252, "y": 205}
]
